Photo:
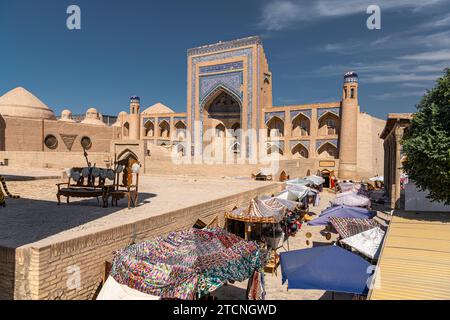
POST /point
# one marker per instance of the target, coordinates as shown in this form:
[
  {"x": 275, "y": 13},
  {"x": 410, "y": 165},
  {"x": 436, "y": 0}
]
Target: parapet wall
[
  {"x": 58, "y": 160},
  {"x": 47, "y": 270}
]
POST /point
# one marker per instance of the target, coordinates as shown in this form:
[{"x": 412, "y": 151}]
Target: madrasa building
[{"x": 229, "y": 118}]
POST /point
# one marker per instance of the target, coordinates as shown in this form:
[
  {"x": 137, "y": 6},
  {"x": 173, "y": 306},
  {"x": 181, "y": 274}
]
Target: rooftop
[{"x": 223, "y": 45}]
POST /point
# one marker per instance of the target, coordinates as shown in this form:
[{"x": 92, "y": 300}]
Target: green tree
[{"x": 426, "y": 143}]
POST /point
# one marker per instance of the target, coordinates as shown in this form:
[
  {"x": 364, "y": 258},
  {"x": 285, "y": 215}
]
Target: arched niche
[
  {"x": 300, "y": 152},
  {"x": 275, "y": 127},
  {"x": 180, "y": 129},
  {"x": 149, "y": 129},
  {"x": 164, "y": 129},
  {"x": 301, "y": 126},
  {"x": 329, "y": 124},
  {"x": 328, "y": 151}
]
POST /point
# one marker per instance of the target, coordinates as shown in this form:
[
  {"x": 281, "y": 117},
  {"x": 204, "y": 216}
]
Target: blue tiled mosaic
[
  {"x": 320, "y": 112},
  {"x": 231, "y": 81},
  {"x": 270, "y": 115},
  {"x": 222, "y": 67},
  {"x": 304, "y": 143},
  {"x": 320, "y": 143},
  {"x": 307, "y": 113}
]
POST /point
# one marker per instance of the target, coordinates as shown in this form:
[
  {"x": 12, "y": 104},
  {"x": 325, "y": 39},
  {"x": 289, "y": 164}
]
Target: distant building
[{"x": 229, "y": 111}]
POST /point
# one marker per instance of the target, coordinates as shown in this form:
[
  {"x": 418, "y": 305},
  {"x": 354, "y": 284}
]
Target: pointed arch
[
  {"x": 180, "y": 129},
  {"x": 126, "y": 129},
  {"x": 149, "y": 128},
  {"x": 329, "y": 124},
  {"x": 328, "y": 150},
  {"x": 215, "y": 92},
  {"x": 274, "y": 149},
  {"x": 164, "y": 129},
  {"x": 275, "y": 127},
  {"x": 299, "y": 151},
  {"x": 220, "y": 130},
  {"x": 301, "y": 126}
]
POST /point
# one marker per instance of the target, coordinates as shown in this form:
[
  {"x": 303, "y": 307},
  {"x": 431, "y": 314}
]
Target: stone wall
[
  {"x": 370, "y": 150},
  {"x": 7, "y": 268},
  {"x": 22, "y": 134},
  {"x": 58, "y": 160},
  {"x": 42, "y": 270}
]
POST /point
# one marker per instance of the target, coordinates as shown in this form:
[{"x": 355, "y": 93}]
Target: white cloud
[
  {"x": 407, "y": 77},
  {"x": 398, "y": 94},
  {"x": 440, "y": 55},
  {"x": 280, "y": 14}
]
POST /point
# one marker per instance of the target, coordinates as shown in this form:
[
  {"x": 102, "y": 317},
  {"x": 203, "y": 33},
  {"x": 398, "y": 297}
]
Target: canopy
[
  {"x": 367, "y": 242},
  {"x": 377, "y": 178},
  {"x": 346, "y": 186},
  {"x": 276, "y": 202},
  {"x": 347, "y": 227},
  {"x": 329, "y": 268},
  {"x": 112, "y": 290},
  {"x": 315, "y": 179},
  {"x": 350, "y": 198},
  {"x": 299, "y": 182},
  {"x": 259, "y": 211},
  {"x": 187, "y": 263},
  {"x": 294, "y": 192},
  {"x": 342, "y": 212}
]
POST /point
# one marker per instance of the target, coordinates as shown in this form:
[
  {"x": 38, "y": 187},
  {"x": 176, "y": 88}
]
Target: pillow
[
  {"x": 119, "y": 168},
  {"x": 85, "y": 172},
  {"x": 135, "y": 168}
]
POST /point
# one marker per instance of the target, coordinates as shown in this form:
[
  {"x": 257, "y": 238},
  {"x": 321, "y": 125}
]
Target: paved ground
[
  {"x": 37, "y": 217},
  {"x": 274, "y": 289}
]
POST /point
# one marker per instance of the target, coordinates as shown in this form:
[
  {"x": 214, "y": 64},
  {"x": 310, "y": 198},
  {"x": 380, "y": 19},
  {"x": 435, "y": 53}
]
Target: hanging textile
[
  {"x": 187, "y": 264},
  {"x": 256, "y": 286}
]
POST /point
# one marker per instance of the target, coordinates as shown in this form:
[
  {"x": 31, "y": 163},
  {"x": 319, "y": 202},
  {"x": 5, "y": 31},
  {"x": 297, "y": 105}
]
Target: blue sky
[{"x": 139, "y": 48}]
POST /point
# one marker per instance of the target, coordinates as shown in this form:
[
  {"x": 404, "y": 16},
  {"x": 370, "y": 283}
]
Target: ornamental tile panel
[
  {"x": 320, "y": 143},
  {"x": 222, "y": 67},
  {"x": 322, "y": 111},
  {"x": 307, "y": 113},
  {"x": 270, "y": 115}
]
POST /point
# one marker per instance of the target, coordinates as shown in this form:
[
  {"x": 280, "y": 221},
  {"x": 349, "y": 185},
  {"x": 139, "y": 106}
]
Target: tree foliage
[{"x": 426, "y": 143}]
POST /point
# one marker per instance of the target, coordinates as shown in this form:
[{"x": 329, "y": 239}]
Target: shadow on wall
[
  {"x": 2, "y": 134},
  {"x": 25, "y": 221}
]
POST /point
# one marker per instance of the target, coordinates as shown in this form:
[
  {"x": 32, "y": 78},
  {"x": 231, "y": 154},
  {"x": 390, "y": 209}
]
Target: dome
[
  {"x": 350, "y": 76},
  {"x": 19, "y": 102},
  {"x": 66, "y": 115},
  {"x": 93, "y": 117},
  {"x": 158, "y": 108},
  {"x": 120, "y": 117}
]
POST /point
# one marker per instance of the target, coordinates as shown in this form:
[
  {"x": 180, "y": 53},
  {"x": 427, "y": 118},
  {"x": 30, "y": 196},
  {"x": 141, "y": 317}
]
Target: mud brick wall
[{"x": 42, "y": 272}]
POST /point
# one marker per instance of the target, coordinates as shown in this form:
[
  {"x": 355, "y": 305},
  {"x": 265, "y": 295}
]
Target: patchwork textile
[
  {"x": 347, "y": 227},
  {"x": 187, "y": 264}
]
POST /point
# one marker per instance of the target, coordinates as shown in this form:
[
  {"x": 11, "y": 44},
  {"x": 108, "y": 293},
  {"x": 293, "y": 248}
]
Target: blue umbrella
[
  {"x": 329, "y": 268},
  {"x": 341, "y": 212}
]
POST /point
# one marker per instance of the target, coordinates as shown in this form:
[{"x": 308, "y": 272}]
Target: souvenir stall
[
  {"x": 263, "y": 221},
  {"x": 186, "y": 265}
]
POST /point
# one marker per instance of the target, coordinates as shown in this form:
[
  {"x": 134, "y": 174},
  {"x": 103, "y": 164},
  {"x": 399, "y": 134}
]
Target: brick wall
[
  {"x": 42, "y": 271},
  {"x": 7, "y": 266}
]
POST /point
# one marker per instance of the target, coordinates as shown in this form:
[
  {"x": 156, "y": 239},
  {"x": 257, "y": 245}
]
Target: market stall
[{"x": 187, "y": 264}]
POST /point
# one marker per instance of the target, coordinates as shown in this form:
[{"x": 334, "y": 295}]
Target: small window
[
  {"x": 352, "y": 93},
  {"x": 86, "y": 143},
  {"x": 51, "y": 142}
]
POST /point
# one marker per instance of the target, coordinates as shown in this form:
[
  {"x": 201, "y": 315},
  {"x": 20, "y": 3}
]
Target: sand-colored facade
[{"x": 229, "y": 118}]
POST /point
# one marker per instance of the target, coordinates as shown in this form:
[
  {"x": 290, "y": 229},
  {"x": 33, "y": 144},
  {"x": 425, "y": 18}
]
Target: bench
[{"x": 86, "y": 183}]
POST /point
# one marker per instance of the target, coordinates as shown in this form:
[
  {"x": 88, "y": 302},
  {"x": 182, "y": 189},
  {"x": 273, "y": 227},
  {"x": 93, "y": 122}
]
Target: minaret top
[{"x": 350, "y": 76}]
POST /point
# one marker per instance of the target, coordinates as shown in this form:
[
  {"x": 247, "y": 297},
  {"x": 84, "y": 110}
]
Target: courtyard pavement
[{"x": 37, "y": 217}]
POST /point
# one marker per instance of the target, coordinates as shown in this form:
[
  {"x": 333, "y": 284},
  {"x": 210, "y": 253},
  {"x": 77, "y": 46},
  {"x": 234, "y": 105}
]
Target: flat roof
[
  {"x": 415, "y": 258},
  {"x": 392, "y": 119}
]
